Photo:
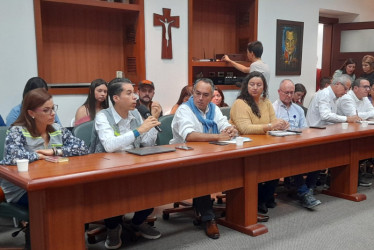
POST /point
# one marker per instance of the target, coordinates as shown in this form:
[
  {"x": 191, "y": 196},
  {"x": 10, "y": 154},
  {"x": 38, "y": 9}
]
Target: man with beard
[{"x": 146, "y": 91}]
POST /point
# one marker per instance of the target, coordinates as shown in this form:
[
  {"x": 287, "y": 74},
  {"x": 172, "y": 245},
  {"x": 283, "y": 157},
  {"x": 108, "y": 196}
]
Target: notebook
[
  {"x": 282, "y": 133},
  {"x": 233, "y": 140},
  {"x": 369, "y": 122},
  {"x": 150, "y": 150}
]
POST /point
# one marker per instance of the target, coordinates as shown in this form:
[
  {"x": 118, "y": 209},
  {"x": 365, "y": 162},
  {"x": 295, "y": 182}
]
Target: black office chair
[
  {"x": 84, "y": 131},
  {"x": 10, "y": 210},
  {"x": 166, "y": 135},
  {"x": 164, "y": 138}
]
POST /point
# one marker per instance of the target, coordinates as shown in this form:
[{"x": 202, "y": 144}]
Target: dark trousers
[
  {"x": 204, "y": 207},
  {"x": 302, "y": 185},
  {"x": 266, "y": 191},
  {"x": 139, "y": 218},
  {"x": 24, "y": 201}
]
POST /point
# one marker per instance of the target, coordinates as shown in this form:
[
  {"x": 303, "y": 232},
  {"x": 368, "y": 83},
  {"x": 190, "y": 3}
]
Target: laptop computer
[{"x": 150, "y": 150}]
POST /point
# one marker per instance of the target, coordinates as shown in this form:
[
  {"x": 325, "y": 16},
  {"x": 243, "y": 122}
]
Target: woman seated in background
[
  {"x": 186, "y": 92},
  {"x": 97, "y": 100},
  {"x": 348, "y": 68},
  {"x": 299, "y": 95},
  {"x": 32, "y": 83},
  {"x": 368, "y": 68},
  {"x": 253, "y": 113},
  {"x": 218, "y": 98},
  {"x": 34, "y": 136}
]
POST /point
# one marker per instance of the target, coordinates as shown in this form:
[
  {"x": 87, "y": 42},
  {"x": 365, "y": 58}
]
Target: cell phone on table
[
  {"x": 221, "y": 143},
  {"x": 318, "y": 127},
  {"x": 184, "y": 147}
]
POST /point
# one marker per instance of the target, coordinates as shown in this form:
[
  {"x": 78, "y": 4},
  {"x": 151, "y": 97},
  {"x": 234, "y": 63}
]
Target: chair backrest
[
  {"x": 9, "y": 209},
  {"x": 84, "y": 132},
  {"x": 226, "y": 112},
  {"x": 2, "y": 141},
  {"x": 166, "y": 135}
]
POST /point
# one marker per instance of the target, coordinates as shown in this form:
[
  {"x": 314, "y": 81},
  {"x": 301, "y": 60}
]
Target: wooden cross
[{"x": 166, "y": 21}]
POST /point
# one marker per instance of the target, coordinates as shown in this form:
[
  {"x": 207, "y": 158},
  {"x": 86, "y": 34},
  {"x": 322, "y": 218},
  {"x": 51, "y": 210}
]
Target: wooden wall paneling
[
  {"x": 81, "y": 40},
  {"x": 326, "y": 70},
  {"x": 339, "y": 57},
  {"x": 214, "y": 29},
  {"x": 81, "y": 44},
  {"x": 219, "y": 27}
]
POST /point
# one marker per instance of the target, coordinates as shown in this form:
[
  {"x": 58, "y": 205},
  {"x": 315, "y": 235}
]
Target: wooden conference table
[{"x": 64, "y": 196}]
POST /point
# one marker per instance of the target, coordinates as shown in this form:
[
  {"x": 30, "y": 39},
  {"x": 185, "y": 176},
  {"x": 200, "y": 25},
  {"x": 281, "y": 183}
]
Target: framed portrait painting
[{"x": 289, "y": 47}]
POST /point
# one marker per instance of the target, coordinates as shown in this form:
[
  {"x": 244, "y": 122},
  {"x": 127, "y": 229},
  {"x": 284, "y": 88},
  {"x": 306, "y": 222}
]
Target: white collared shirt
[
  {"x": 125, "y": 140},
  {"x": 322, "y": 110},
  {"x": 186, "y": 122},
  {"x": 349, "y": 104},
  {"x": 293, "y": 114}
]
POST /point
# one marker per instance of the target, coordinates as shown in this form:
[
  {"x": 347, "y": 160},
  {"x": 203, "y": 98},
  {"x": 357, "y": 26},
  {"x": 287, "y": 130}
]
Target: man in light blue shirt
[{"x": 294, "y": 114}]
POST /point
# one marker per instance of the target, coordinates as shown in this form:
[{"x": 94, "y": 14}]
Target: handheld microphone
[{"x": 145, "y": 113}]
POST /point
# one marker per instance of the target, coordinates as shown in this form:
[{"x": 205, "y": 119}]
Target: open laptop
[{"x": 150, "y": 150}]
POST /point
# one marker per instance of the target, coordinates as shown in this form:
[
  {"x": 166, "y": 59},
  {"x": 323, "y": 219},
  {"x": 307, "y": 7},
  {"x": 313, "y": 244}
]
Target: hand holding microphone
[{"x": 149, "y": 121}]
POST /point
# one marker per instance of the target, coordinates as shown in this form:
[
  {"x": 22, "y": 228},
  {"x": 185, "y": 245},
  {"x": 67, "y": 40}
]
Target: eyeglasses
[
  {"x": 288, "y": 92},
  {"x": 48, "y": 111},
  {"x": 345, "y": 87},
  {"x": 366, "y": 87}
]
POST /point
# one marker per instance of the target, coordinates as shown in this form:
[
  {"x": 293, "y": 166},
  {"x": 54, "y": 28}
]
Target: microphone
[{"x": 145, "y": 113}]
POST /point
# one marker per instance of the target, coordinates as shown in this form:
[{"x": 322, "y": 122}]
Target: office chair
[
  {"x": 84, "y": 131},
  {"x": 164, "y": 138},
  {"x": 226, "y": 112},
  {"x": 166, "y": 135},
  {"x": 10, "y": 210}
]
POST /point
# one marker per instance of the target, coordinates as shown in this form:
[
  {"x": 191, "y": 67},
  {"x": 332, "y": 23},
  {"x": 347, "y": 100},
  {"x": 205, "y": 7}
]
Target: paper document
[{"x": 233, "y": 140}]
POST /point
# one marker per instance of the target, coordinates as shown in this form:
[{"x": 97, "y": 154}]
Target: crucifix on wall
[{"x": 167, "y": 22}]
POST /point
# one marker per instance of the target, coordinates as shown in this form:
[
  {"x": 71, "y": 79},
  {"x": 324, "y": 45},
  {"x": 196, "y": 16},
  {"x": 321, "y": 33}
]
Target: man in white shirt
[
  {"x": 323, "y": 108},
  {"x": 356, "y": 101},
  {"x": 198, "y": 119},
  {"x": 287, "y": 110},
  {"x": 119, "y": 128}
]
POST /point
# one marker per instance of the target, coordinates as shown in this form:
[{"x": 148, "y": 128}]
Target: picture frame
[{"x": 289, "y": 47}]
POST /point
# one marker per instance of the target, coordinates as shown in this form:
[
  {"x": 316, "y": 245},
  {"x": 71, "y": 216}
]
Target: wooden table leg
[
  {"x": 60, "y": 225},
  {"x": 241, "y": 203}
]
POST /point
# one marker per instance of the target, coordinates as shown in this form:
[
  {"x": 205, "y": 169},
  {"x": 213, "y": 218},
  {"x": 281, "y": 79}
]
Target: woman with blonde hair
[{"x": 368, "y": 68}]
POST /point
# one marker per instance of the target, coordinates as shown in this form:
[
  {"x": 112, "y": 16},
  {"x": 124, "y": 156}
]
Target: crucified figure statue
[{"x": 166, "y": 23}]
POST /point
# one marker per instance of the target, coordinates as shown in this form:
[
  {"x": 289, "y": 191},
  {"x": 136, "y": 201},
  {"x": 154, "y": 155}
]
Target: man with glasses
[
  {"x": 323, "y": 108},
  {"x": 198, "y": 119},
  {"x": 287, "y": 110},
  {"x": 356, "y": 102}
]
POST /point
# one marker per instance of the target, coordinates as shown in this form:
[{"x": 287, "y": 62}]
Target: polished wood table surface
[{"x": 65, "y": 196}]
